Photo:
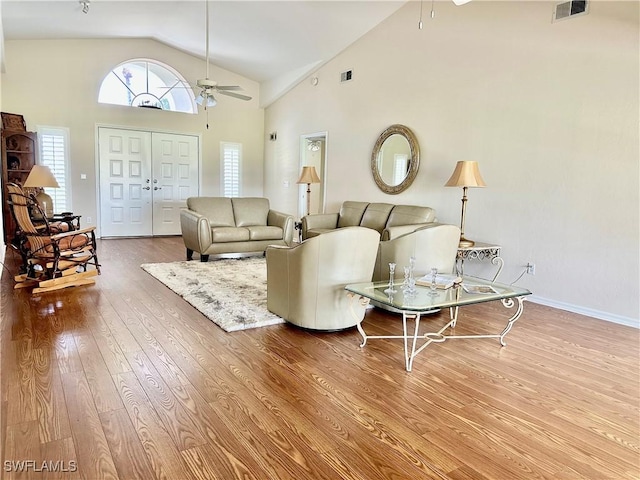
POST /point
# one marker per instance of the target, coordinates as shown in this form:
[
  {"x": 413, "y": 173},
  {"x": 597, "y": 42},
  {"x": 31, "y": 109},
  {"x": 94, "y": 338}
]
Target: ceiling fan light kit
[{"x": 210, "y": 100}]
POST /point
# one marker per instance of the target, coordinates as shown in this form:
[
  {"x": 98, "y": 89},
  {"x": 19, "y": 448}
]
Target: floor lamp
[
  {"x": 40, "y": 177},
  {"x": 308, "y": 176},
  {"x": 465, "y": 175}
]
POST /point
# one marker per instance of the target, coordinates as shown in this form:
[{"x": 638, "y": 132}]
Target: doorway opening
[{"x": 313, "y": 153}]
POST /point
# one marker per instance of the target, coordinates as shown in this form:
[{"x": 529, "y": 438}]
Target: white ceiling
[{"x": 261, "y": 40}]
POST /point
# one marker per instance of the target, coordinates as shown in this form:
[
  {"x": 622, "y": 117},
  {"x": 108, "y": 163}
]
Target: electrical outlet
[
  {"x": 531, "y": 268},
  {"x": 89, "y": 220}
]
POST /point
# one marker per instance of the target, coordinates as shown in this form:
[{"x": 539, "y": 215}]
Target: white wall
[
  {"x": 56, "y": 83},
  {"x": 550, "y": 112}
]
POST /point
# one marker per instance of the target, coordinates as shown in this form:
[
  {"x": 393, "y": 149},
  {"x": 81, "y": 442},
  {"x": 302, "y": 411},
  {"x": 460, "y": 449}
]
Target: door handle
[
  {"x": 146, "y": 188},
  {"x": 157, "y": 188}
]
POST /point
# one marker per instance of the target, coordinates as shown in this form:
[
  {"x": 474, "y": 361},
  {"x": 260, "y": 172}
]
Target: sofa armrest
[
  {"x": 319, "y": 220},
  {"x": 390, "y": 233},
  {"x": 196, "y": 231},
  {"x": 284, "y": 221}
]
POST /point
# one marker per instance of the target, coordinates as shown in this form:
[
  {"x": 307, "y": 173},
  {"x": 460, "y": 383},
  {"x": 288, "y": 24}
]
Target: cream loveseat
[
  {"x": 217, "y": 225},
  {"x": 389, "y": 220}
]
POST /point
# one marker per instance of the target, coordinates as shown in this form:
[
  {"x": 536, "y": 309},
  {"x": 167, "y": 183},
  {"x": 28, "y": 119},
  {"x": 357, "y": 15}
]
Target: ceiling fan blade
[
  {"x": 235, "y": 95},
  {"x": 228, "y": 87}
]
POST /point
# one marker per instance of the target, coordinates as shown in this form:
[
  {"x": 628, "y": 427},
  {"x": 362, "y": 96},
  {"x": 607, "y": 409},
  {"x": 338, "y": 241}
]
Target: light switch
[
  {"x": 83, "y": 176},
  {"x": 285, "y": 183}
]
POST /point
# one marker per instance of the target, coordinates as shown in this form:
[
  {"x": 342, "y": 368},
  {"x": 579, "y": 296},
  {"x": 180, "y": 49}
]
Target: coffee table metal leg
[
  {"x": 509, "y": 303},
  {"x": 500, "y": 263},
  {"x": 408, "y": 357},
  {"x": 363, "y": 303}
]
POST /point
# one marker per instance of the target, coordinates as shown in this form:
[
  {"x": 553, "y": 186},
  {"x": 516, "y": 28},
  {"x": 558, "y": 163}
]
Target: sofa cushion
[
  {"x": 258, "y": 232},
  {"x": 351, "y": 214},
  {"x": 250, "y": 211},
  {"x": 218, "y": 210},
  {"x": 410, "y": 215},
  {"x": 229, "y": 234},
  {"x": 376, "y": 215}
]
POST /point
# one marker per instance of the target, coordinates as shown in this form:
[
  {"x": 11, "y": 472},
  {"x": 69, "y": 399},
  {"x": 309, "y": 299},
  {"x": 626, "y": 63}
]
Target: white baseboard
[{"x": 589, "y": 312}]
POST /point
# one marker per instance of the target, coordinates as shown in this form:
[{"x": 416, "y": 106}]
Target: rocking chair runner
[{"x": 53, "y": 260}]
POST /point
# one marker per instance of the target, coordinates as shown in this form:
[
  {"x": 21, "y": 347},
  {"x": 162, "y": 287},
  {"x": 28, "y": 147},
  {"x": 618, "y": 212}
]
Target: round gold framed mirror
[{"x": 395, "y": 159}]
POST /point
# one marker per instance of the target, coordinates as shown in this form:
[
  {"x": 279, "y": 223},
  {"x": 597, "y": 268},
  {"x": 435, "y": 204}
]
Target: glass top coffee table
[{"x": 472, "y": 291}]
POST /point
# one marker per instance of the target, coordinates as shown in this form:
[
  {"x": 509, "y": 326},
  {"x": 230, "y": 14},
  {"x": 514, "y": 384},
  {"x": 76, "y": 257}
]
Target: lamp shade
[
  {"x": 309, "y": 175},
  {"x": 466, "y": 174},
  {"x": 40, "y": 177}
]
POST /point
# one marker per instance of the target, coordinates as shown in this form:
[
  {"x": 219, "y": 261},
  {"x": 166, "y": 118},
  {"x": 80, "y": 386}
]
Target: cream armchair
[
  {"x": 433, "y": 246},
  {"x": 305, "y": 283}
]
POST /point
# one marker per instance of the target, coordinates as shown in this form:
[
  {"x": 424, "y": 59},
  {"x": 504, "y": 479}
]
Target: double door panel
[{"x": 145, "y": 180}]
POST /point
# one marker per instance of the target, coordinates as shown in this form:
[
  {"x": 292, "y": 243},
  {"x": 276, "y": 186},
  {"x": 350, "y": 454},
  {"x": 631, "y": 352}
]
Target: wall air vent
[
  {"x": 346, "y": 76},
  {"x": 570, "y": 9}
]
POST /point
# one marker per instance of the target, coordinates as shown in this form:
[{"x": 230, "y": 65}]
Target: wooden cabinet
[{"x": 19, "y": 154}]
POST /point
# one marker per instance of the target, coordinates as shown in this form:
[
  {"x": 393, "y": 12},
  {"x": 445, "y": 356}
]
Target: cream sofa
[
  {"x": 305, "y": 283},
  {"x": 217, "y": 225},
  {"x": 389, "y": 220}
]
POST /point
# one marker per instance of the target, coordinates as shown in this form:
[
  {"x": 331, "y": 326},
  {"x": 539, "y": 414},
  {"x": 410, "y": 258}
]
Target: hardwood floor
[{"x": 125, "y": 380}]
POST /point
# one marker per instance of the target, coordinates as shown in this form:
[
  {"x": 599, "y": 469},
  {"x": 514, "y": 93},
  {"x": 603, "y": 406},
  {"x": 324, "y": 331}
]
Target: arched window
[{"x": 146, "y": 83}]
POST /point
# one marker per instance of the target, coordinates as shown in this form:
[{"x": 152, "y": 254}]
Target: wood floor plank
[
  {"x": 97, "y": 374},
  {"x": 127, "y": 453},
  {"x": 114, "y": 322},
  {"x": 130, "y": 381},
  {"x": 175, "y": 419},
  {"x": 91, "y": 446},
  {"x": 111, "y": 352},
  {"x": 22, "y": 451},
  {"x": 61, "y": 456},
  {"x": 53, "y": 420},
  {"x": 21, "y": 387},
  {"x": 162, "y": 453},
  {"x": 226, "y": 456}
]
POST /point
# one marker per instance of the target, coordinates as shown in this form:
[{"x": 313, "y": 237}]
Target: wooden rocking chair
[{"x": 53, "y": 260}]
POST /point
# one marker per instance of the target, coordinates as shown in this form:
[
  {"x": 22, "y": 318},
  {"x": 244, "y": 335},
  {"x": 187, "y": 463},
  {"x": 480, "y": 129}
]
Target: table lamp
[
  {"x": 39, "y": 178},
  {"x": 465, "y": 175},
  {"x": 308, "y": 176}
]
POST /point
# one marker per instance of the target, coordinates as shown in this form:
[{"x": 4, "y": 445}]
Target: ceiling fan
[{"x": 207, "y": 86}]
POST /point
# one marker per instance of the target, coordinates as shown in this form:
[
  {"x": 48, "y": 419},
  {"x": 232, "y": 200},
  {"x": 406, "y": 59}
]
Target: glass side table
[{"x": 479, "y": 251}]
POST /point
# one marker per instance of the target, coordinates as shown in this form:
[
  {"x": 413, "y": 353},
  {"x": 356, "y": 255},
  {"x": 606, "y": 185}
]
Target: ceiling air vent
[
  {"x": 346, "y": 76},
  {"x": 570, "y": 9}
]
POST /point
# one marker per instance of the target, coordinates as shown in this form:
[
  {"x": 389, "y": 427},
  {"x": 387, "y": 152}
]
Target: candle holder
[{"x": 391, "y": 288}]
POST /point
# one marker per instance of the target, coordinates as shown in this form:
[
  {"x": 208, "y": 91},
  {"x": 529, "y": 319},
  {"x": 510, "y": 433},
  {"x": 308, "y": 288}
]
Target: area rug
[{"x": 232, "y": 293}]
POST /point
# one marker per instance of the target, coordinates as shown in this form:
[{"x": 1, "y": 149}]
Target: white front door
[
  {"x": 145, "y": 179},
  {"x": 125, "y": 182},
  {"x": 174, "y": 179}
]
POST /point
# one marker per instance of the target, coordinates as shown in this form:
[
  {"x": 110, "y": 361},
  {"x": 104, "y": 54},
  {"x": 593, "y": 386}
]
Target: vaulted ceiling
[{"x": 271, "y": 42}]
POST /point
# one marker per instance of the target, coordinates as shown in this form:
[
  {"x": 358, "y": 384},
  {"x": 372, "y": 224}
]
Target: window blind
[
  {"x": 54, "y": 145},
  {"x": 231, "y": 168}
]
